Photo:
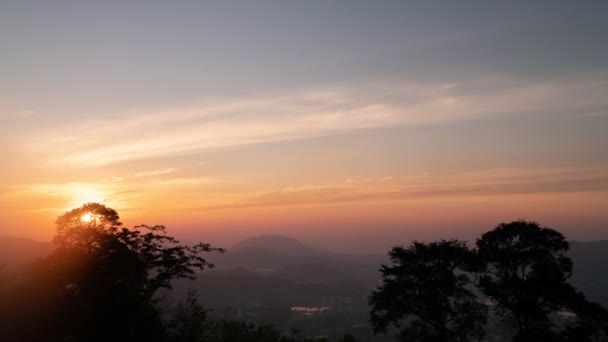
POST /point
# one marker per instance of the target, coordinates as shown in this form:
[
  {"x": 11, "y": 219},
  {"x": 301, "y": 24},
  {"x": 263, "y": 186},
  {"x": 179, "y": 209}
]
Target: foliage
[
  {"x": 426, "y": 293},
  {"x": 99, "y": 283},
  {"x": 74, "y": 231},
  {"x": 155, "y": 256},
  {"x": 525, "y": 272},
  {"x": 191, "y": 323},
  {"x": 432, "y": 291}
]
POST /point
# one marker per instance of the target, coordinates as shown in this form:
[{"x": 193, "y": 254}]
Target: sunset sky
[{"x": 351, "y": 125}]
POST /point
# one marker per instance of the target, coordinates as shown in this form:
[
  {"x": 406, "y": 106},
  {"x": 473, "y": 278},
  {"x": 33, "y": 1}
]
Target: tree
[
  {"x": 525, "y": 271},
  {"x": 191, "y": 323},
  {"x": 99, "y": 283},
  {"x": 190, "y": 320},
  {"x": 426, "y": 292},
  {"x": 85, "y": 227},
  {"x": 591, "y": 322},
  {"x": 94, "y": 230}
]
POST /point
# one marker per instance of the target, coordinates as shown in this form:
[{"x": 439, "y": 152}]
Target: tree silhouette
[
  {"x": 99, "y": 283},
  {"x": 525, "y": 271},
  {"x": 158, "y": 258},
  {"x": 86, "y": 227},
  {"x": 191, "y": 323},
  {"x": 425, "y": 293}
]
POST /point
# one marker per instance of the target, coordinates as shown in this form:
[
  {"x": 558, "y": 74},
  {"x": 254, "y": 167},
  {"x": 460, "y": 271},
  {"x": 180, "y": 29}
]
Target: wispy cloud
[
  {"x": 229, "y": 122},
  {"x": 197, "y": 195},
  {"x": 117, "y": 192},
  {"x": 158, "y": 172},
  {"x": 493, "y": 182}
]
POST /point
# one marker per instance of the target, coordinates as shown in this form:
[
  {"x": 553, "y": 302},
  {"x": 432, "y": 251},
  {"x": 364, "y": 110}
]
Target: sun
[{"x": 86, "y": 217}]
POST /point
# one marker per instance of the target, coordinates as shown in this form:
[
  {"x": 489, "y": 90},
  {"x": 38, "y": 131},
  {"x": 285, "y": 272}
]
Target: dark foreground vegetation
[
  {"x": 518, "y": 272},
  {"x": 101, "y": 284},
  {"x": 105, "y": 282}
]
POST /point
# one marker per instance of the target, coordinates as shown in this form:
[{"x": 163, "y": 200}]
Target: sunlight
[
  {"x": 84, "y": 194},
  {"x": 86, "y": 217}
]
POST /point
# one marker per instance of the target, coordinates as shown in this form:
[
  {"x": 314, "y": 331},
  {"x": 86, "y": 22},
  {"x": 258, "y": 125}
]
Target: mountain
[
  {"x": 289, "y": 258},
  {"x": 590, "y": 273},
  {"x": 268, "y": 298},
  {"x": 251, "y": 258},
  {"x": 16, "y": 252},
  {"x": 314, "y": 273},
  {"x": 279, "y": 280},
  {"x": 590, "y": 255},
  {"x": 267, "y": 253},
  {"x": 278, "y": 244}
]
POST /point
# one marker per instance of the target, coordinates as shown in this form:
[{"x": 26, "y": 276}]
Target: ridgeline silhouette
[{"x": 106, "y": 282}]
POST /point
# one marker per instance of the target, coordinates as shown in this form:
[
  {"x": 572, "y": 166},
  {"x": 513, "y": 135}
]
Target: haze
[{"x": 349, "y": 125}]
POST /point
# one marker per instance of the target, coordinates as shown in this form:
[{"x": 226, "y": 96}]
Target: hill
[
  {"x": 16, "y": 252},
  {"x": 314, "y": 273},
  {"x": 591, "y": 269},
  {"x": 291, "y": 259},
  {"x": 278, "y": 244}
]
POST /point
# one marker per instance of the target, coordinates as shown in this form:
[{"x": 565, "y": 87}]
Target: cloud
[
  {"x": 204, "y": 194},
  {"x": 232, "y": 122},
  {"x": 115, "y": 192},
  {"x": 493, "y": 182},
  {"x": 155, "y": 172},
  {"x": 186, "y": 181}
]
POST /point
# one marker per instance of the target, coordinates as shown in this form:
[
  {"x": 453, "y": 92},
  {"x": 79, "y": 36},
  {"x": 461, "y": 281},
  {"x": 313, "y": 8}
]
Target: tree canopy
[
  {"x": 157, "y": 258},
  {"x": 434, "y": 291},
  {"x": 525, "y": 271},
  {"x": 426, "y": 293},
  {"x": 100, "y": 281}
]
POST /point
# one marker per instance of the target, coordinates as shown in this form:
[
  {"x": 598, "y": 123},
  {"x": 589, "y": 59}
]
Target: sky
[{"x": 352, "y": 125}]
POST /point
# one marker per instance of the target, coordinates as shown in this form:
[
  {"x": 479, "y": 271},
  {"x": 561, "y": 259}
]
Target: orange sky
[
  {"x": 335, "y": 214},
  {"x": 351, "y": 127}
]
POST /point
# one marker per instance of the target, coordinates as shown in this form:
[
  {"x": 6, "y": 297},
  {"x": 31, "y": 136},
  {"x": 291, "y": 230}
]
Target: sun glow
[
  {"x": 83, "y": 193},
  {"x": 86, "y": 217}
]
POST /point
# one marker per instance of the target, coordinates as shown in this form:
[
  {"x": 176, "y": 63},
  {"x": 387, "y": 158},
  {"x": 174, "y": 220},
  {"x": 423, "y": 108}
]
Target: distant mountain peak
[{"x": 279, "y": 244}]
